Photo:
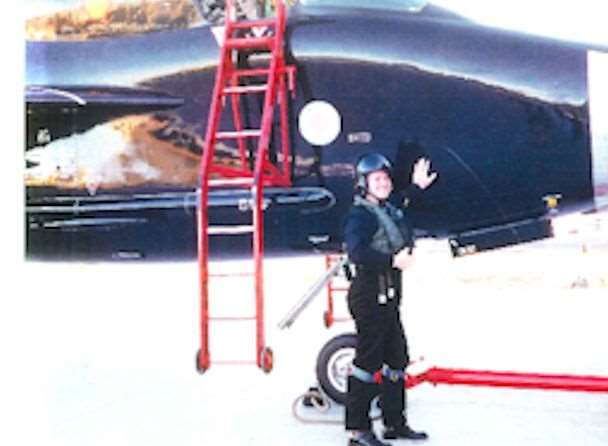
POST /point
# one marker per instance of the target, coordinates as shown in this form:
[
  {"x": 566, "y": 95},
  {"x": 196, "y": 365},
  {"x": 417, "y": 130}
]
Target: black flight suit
[{"x": 381, "y": 341}]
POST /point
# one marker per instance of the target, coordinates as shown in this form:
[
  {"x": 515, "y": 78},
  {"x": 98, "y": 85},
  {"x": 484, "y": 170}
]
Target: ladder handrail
[{"x": 258, "y": 184}]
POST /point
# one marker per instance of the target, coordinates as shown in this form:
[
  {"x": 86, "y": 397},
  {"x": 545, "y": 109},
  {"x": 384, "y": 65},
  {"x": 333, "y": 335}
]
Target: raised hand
[{"x": 422, "y": 175}]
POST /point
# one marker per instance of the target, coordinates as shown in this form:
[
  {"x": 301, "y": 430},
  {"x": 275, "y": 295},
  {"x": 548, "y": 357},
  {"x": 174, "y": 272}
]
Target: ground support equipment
[
  {"x": 336, "y": 356},
  {"x": 338, "y": 284},
  {"x": 252, "y": 170}
]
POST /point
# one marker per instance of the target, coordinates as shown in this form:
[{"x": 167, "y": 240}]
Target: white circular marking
[{"x": 320, "y": 123}]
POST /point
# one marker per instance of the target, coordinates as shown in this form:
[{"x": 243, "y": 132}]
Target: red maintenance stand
[
  {"x": 336, "y": 285},
  {"x": 243, "y": 38}
]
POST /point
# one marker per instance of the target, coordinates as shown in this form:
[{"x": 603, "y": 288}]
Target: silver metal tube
[{"x": 309, "y": 296}]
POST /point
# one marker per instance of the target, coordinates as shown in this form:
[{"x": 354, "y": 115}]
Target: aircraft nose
[{"x": 598, "y": 112}]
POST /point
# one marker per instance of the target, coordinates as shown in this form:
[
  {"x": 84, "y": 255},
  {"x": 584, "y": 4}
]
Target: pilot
[{"x": 379, "y": 243}]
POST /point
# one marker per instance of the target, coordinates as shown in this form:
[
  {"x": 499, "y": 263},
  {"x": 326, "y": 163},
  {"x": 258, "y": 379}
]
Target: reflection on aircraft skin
[{"x": 504, "y": 118}]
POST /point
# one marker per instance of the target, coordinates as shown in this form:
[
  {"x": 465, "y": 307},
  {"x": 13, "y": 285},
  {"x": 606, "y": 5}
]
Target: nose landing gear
[{"x": 333, "y": 365}]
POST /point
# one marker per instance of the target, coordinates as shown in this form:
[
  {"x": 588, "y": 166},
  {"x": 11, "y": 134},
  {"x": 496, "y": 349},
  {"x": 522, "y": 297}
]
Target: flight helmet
[{"x": 371, "y": 162}]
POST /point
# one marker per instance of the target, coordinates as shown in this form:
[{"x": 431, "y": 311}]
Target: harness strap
[
  {"x": 392, "y": 374},
  {"x": 361, "y": 374},
  {"x": 389, "y": 238}
]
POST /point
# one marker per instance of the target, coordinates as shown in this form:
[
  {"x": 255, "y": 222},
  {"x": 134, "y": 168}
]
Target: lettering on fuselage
[{"x": 359, "y": 138}]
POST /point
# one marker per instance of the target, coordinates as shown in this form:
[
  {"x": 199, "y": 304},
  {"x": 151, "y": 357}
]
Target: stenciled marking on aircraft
[{"x": 598, "y": 110}]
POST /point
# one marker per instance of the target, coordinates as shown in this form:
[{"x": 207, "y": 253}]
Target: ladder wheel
[
  {"x": 266, "y": 359},
  {"x": 200, "y": 369},
  {"x": 327, "y": 319}
]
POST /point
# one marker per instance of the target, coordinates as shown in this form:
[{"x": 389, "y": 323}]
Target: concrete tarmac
[{"x": 104, "y": 354}]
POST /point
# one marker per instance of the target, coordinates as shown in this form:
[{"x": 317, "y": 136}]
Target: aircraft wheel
[
  {"x": 266, "y": 359},
  {"x": 200, "y": 369},
  {"x": 333, "y": 363}
]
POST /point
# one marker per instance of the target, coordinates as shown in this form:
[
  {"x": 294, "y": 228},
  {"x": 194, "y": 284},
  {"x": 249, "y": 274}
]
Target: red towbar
[{"x": 580, "y": 383}]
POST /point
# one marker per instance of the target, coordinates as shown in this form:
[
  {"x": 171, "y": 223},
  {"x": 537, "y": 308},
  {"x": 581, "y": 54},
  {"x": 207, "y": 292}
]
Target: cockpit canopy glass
[{"x": 395, "y": 5}]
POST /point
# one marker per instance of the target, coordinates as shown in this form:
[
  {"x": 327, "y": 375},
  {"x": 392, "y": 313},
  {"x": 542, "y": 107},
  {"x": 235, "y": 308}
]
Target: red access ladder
[{"x": 251, "y": 171}]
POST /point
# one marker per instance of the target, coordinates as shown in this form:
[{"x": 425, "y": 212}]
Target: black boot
[
  {"x": 403, "y": 431},
  {"x": 366, "y": 438}
]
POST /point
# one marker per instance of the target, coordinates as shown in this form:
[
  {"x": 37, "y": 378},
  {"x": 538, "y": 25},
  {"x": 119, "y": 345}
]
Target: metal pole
[{"x": 309, "y": 296}]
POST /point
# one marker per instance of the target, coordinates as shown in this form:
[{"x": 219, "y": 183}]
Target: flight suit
[{"x": 374, "y": 299}]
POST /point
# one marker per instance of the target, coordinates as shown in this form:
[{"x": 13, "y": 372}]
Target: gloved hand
[{"x": 403, "y": 259}]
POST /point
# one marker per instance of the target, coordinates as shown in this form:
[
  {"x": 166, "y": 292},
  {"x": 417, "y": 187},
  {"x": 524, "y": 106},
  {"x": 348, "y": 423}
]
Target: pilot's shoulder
[{"x": 360, "y": 215}]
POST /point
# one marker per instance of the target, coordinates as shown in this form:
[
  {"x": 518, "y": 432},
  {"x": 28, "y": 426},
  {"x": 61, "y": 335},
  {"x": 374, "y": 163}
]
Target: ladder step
[
  {"x": 246, "y": 24},
  {"x": 251, "y": 72},
  {"x": 249, "y": 133},
  {"x": 246, "y": 89},
  {"x": 232, "y": 318},
  {"x": 231, "y": 182},
  {"x": 234, "y": 362},
  {"x": 230, "y": 230},
  {"x": 233, "y": 274},
  {"x": 250, "y": 43}
]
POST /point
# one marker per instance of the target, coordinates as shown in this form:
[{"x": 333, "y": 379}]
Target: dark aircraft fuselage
[{"x": 505, "y": 119}]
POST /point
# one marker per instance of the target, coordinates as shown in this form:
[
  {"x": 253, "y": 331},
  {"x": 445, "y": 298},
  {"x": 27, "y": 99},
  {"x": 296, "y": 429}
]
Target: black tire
[
  {"x": 267, "y": 359},
  {"x": 199, "y": 369},
  {"x": 333, "y": 363}
]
